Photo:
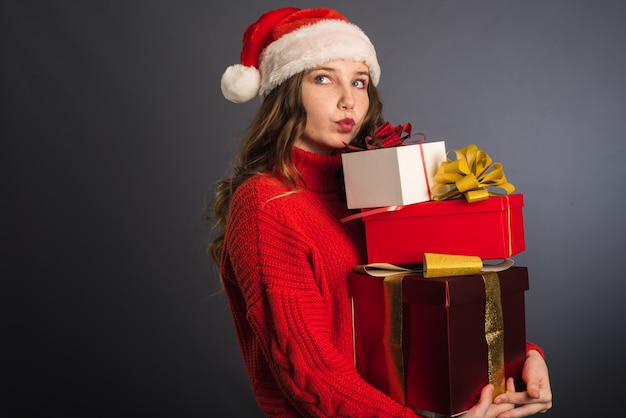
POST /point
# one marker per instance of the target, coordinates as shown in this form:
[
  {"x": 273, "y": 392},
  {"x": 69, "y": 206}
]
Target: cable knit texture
[{"x": 284, "y": 267}]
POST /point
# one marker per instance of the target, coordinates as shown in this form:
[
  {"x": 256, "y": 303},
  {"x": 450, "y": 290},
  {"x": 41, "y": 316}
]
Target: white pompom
[{"x": 240, "y": 84}]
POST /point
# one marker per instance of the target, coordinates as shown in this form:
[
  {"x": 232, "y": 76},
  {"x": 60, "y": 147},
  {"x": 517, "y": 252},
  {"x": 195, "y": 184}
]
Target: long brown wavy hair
[{"x": 266, "y": 148}]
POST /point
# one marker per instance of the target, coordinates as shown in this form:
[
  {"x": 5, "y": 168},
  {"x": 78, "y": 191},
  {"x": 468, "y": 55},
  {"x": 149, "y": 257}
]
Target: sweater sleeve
[
  {"x": 291, "y": 323},
  {"x": 533, "y": 346}
]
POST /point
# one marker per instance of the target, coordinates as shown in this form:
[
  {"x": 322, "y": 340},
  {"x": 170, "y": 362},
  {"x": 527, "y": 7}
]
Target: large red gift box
[
  {"x": 444, "y": 344},
  {"x": 489, "y": 229}
]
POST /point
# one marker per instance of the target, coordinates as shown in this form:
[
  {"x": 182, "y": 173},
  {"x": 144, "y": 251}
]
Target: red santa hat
[{"x": 289, "y": 40}]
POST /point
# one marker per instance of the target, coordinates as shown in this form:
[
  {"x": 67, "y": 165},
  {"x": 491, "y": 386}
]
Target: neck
[{"x": 318, "y": 171}]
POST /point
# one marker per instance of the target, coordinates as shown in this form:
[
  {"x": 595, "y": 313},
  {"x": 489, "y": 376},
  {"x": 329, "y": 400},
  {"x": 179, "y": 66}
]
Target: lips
[{"x": 346, "y": 125}]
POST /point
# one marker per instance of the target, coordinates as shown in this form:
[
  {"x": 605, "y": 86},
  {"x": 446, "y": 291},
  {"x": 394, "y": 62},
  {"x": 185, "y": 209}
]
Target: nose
[{"x": 346, "y": 100}]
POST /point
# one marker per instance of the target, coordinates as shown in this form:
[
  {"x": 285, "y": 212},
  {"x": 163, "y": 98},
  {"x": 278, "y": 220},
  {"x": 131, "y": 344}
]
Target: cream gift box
[{"x": 399, "y": 175}]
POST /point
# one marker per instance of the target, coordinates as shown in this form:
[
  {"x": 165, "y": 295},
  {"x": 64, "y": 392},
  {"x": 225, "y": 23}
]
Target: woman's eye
[
  {"x": 321, "y": 79},
  {"x": 359, "y": 83}
]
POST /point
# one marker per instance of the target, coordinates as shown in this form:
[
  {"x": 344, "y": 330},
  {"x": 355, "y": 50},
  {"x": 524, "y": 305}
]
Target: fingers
[
  {"x": 534, "y": 391},
  {"x": 533, "y": 385},
  {"x": 510, "y": 384},
  {"x": 481, "y": 408},
  {"x": 485, "y": 408},
  {"x": 510, "y": 388},
  {"x": 486, "y": 395},
  {"x": 523, "y": 411},
  {"x": 526, "y": 404},
  {"x": 535, "y": 374}
]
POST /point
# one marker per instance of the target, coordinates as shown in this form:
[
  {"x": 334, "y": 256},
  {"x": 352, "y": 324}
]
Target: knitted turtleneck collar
[{"x": 318, "y": 171}]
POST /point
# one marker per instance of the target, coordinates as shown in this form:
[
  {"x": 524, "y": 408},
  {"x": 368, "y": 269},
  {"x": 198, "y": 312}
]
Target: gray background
[{"x": 114, "y": 132}]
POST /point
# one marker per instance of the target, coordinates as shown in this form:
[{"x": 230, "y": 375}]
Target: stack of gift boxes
[{"x": 438, "y": 310}]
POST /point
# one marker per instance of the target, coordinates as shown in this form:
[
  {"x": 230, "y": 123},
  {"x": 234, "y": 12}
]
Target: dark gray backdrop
[{"x": 114, "y": 132}]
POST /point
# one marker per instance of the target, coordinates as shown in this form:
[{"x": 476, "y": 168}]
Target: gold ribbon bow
[
  {"x": 472, "y": 175},
  {"x": 440, "y": 265}
]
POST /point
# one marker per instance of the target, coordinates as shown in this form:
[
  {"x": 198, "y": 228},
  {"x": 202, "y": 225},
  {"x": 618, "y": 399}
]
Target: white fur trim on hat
[
  {"x": 240, "y": 83},
  {"x": 312, "y": 45}
]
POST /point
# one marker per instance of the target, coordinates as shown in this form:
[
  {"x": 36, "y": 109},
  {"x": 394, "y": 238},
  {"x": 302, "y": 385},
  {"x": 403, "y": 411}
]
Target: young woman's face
[{"x": 335, "y": 98}]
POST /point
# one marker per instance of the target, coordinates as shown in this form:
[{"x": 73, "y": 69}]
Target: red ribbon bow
[{"x": 388, "y": 136}]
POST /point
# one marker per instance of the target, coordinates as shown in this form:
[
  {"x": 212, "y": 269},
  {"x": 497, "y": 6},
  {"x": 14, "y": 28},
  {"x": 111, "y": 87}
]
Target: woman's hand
[
  {"x": 485, "y": 408},
  {"x": 511, "y": 404},
  {"x": 538, "y": 395}
]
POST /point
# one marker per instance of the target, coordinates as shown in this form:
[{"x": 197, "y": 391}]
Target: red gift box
[
  {"x": 489, "y": 229},
  {"x": 444, "y": 345}
]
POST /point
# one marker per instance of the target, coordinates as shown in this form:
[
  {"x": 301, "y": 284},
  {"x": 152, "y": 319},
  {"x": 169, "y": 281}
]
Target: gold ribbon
[
  {"x": 392, "y": 336},
  {"x": 494, "y": 332},
  {"x": 439, "y": 265},
  {"x": 472, "y": 175},
  {"x": 444, "y": 265},
  {"x": 509, "y": 232}
]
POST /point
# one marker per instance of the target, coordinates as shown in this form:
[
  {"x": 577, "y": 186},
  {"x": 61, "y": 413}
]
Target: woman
[{"x": 283, "y": 254}]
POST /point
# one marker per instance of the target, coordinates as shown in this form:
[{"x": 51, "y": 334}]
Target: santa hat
[{"x": 289, "y": 40}]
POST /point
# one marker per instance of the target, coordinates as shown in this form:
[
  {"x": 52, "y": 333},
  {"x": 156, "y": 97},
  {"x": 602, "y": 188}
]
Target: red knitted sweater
[{"x": 284, "y": 267}]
